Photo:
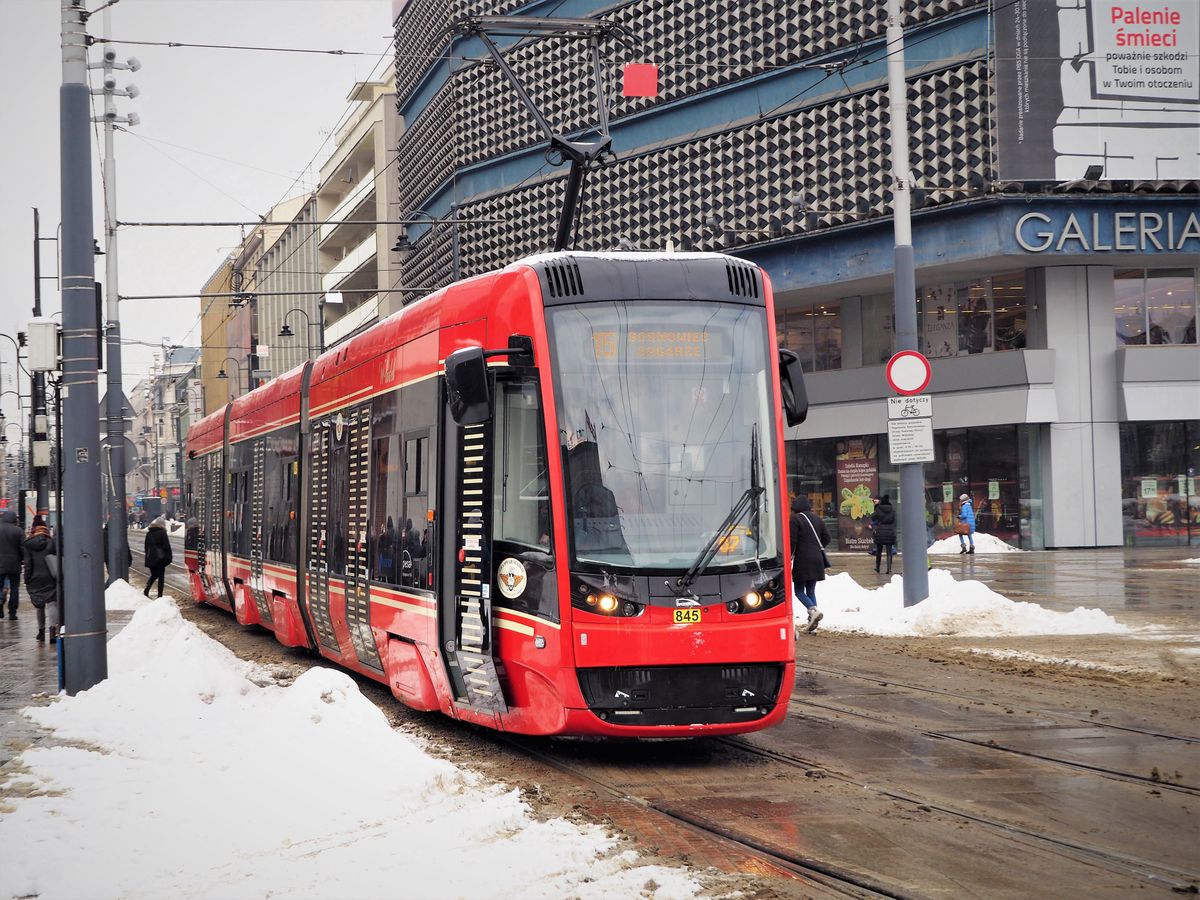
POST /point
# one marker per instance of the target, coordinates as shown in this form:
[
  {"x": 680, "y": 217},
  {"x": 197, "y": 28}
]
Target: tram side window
[
  {"x": 414, "y": 537},
  {"x": 279, "y": 510},
  {"x": 521, "y": 508},
  {"x": 386, "y": 504}
]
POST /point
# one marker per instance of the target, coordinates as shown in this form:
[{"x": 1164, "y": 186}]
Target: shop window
[
  {"x": 978, "y": 316},
  {"x": 814, "y": 333},
  {"x": 1159, "y": 503},
  {"x": 1155, "y": 306},
  {"x": 878, "y": 329}
]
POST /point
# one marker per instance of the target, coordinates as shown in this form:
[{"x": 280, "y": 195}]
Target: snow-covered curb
[{"x": 197, "y": 775}]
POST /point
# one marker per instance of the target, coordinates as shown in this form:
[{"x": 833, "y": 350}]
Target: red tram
[{"x": 546, "y": 500}]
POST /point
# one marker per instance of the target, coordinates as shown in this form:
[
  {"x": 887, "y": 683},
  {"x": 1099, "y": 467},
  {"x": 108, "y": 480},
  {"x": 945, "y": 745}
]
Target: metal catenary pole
[
  {"x": 118, "y": 535},
  {"x": 85, "y": 653},
  {"x": 37, "y": 406},
  {"x": 912, "y": 475}
]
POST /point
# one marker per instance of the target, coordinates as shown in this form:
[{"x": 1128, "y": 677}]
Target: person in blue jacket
[{"x": 966, "y": 513}]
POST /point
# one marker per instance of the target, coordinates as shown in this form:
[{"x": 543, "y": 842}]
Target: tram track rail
[
  {"x": 971, "y": 698},
  {"x": 991, "y": 745},
  {"x": 826, "y": 874},
  {"x": 1146, "y": 870}
]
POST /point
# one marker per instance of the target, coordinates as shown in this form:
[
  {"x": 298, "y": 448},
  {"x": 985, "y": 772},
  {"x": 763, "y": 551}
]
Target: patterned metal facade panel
[{"x": 733, "y": 189}]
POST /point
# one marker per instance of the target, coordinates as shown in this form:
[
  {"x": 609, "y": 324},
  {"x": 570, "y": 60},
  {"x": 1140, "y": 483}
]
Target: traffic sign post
[{"x": 910, "y": 446}]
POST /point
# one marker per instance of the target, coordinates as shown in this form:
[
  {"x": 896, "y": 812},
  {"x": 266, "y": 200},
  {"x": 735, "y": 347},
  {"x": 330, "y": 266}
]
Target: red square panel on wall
[{"x": 641, "y": 80}]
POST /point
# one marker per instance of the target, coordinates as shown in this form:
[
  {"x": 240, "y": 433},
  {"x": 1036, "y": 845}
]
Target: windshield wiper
[{"x": 748, "y": 499}]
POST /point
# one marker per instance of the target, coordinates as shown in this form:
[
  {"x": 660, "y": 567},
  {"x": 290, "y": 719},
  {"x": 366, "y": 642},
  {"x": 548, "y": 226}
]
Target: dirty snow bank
[
  {"x": 200, "y": 777},
  {"x": 967, "y": 608}
]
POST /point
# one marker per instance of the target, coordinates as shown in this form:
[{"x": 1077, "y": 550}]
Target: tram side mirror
[
  {"x": 791, "y": 383},
  {"x": 467, "y": 383}
]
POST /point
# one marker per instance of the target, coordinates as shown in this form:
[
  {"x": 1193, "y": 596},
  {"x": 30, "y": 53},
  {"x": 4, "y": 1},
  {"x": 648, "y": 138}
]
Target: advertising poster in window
[
  {"x": 857, "y": 486},
  {"x": 1097, "y": 82},
  {"x": 941, "y": 321}
]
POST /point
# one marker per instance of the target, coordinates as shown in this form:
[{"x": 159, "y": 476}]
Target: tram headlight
[
  {"x": 607, "y": 603},
  {"x": 752, "y": 600}
]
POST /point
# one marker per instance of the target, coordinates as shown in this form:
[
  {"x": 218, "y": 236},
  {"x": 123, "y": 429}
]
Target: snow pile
[
  {"x": 199, "y": 777},
  {"x": 968, "y": 608},
  {"x": 122, "y": 595},
  {"x": 984, "y": 543},
  {"x": 1196, "y": 560}
]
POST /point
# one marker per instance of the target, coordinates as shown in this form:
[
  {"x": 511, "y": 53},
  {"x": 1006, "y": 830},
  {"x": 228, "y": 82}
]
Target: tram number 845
[{"x": 687, "y": 616}]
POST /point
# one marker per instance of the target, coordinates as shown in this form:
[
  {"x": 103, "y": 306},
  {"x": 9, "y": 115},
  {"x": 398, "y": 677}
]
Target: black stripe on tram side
[
  {"x": 303, "y": 428},
  {"x": 224, "y": 532}
]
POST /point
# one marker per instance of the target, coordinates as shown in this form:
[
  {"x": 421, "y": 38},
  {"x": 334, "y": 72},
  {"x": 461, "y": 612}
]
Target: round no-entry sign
[{"x": 908, "y": 372}]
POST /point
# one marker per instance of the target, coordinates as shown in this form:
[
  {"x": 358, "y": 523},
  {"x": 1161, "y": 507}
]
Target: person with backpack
[
  {"x": 158, "y": 554},
  {"x": 809, "y": 539},
  {"x": 965, "y": 525},
  {"x": 883, "y": 522},
  {"x": 41, "y": 580}
]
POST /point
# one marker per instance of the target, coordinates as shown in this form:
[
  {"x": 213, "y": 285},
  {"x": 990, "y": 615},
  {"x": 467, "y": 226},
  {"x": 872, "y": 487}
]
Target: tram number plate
[{"x": 687, "y": 616}]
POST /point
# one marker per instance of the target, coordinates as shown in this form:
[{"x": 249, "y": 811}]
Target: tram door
[
  {"x": 257, "y": 499},
  {"x": 465, "y": 616}
]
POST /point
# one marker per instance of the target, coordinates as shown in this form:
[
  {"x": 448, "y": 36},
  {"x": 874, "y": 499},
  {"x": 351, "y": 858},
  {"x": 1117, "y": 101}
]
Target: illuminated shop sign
[{"x": 1143, "y": 232}]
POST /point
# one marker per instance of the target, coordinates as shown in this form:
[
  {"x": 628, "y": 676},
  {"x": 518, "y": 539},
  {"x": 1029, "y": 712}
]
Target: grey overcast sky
[{"x": 225, "y": 134}]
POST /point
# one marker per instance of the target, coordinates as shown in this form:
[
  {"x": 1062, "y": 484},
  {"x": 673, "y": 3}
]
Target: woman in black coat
[
  {"x": 809, "y": 538},
  {"x": 158, "y": 554},
  {"x": 40, "y": 581},
  {"x": 883, "y": 521}
]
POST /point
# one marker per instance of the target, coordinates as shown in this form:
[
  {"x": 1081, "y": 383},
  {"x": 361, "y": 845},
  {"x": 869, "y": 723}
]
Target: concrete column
[{"x": 1082, "y": 456}]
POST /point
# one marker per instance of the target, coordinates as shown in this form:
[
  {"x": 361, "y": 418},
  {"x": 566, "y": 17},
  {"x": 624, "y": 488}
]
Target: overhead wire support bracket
[{"x": 583, "y": 155}]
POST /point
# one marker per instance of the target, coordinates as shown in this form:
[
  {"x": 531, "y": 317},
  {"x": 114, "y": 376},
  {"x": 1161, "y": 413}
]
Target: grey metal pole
[
  {"x": 912, "y": 475},
  {"x": 118, "y": 534},
  {"x": 85, "y": 659},
  {"x": 37, "y": 405}
]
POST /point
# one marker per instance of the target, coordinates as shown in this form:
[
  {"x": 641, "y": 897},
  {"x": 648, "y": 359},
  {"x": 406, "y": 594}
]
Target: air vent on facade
[
  {"x": 743, "y": 280},
  {"x": 564, "y": 280}
]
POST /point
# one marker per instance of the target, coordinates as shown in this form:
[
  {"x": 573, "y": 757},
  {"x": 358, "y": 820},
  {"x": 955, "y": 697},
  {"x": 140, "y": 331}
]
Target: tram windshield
[{"x": 665, "y": 423}]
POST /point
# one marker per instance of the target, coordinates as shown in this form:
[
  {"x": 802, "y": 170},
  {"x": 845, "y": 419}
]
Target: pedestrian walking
[
  {"x": 809, "y": 562},
  {"x": 965, "y": 526},
  {"x": 883, "y": 523},
  {"x": 41, "y": 580},
  {"x": 158, "y": 554},
  {"x": 12, "y": 554}
]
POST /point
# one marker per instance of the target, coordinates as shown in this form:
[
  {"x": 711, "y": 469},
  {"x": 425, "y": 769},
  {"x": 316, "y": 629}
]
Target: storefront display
[{"x": 1160, "y": 462}]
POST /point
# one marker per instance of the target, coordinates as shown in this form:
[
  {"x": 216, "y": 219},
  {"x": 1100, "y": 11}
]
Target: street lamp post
[
  {"x": 238, "y": 382},
  {"x": 286, "y": 330}
]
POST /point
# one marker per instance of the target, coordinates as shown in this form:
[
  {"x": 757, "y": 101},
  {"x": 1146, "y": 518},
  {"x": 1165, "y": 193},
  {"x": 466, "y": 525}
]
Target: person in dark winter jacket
[
  {"x": 12, "y": 553},
  {"x": 883, "y": 523},
  {"x": 158, "y": 554},
  {"x": 809, "y": 538},
  {"x": 41, "y": 582}
]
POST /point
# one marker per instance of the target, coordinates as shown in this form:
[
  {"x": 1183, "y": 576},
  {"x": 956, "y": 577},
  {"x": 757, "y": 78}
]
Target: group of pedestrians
[
  {"x": 810, "y": 538},
  {"x": 35, "y": 555}
]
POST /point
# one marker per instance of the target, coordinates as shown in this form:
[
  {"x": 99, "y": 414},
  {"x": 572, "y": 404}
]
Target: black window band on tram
[{"x": 579, "y": 279}]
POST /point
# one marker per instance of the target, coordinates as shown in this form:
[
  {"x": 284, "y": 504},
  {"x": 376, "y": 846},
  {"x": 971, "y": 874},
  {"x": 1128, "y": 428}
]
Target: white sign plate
[
  {"x": 919, "y": 406},
  {"x": 910, "y": 441}
]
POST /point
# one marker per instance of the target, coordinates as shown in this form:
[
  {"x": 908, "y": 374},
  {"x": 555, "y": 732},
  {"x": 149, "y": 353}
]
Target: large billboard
[{"x": 1109, "y": 83}]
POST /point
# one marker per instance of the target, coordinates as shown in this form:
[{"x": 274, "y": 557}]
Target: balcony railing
[
  {"x": 349, "y": 203},
  {"x": 354, "y": 260},
  {"x": 365, "y": 312}
]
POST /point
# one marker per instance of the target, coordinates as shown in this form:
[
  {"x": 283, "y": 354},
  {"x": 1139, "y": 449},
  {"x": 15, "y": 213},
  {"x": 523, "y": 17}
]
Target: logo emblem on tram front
[
  {"x": 686, "y": 601},
  {"x": 511, "y": 578}
]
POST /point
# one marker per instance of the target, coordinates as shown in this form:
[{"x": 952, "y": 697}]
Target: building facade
[
  {"x": 287, "y": 289},
  {"x": 357, "y": 208},
  {"x": 1059, "y": 316}
]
